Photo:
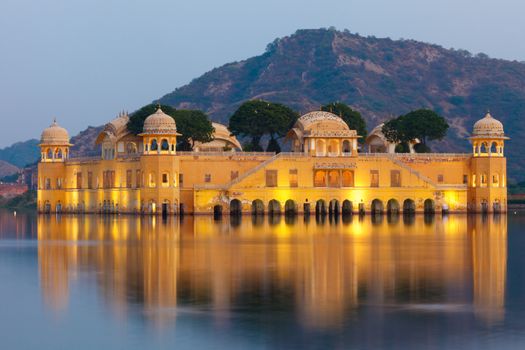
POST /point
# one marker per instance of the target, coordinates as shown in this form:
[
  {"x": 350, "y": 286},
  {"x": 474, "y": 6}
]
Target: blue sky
[{"x": 84, "y": 61}]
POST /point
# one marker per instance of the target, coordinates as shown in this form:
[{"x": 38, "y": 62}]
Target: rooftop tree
[
  {"x": 257, "y": 118},
  {"x": 422, "y": 124}
]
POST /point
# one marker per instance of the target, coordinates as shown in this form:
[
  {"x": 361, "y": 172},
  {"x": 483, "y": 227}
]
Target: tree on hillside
[
  {"x": 351, "y": 117},
  {"x": 257, "y": 118},
  {"x": 422, "y": 124},
  {"x": 194, "y": 125}
]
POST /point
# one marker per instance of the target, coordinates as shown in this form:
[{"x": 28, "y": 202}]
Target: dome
[
  {"x": 159, "y": 123},
  {"x": 222, "y": 138},
  {"x": 488, "y": 126},
  {"x": 323, "y": 119},
  {"x": 54, "y": 135}
]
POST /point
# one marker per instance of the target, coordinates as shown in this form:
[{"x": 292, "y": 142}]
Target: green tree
[
  {"x": 257, "y": 118},
  {"x": 194, "y": 125},
  {"x": 422, "y": 124},
  {"x": 351, "y": 117}
]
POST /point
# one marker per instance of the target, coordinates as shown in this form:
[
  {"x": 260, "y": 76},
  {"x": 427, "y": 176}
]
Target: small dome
[
  {"x": 488, "y": 126},
  {"x": 159, "y": 123},
  {"x": 54, "y": 135},
  {"x": 320, "y": 118}
]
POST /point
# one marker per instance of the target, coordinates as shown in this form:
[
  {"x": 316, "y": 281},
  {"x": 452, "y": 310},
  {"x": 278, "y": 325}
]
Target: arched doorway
[
  {"x": 409, "y": 206},
  {"x": 484, "y": 206},
  {"x": 320, "y": 207},
  {"x": 392, "y": 206},
  {"x": 290, "y": 208},
  {"x": 235, "y": 207},
  {"x": 496, "y": 206},
  {"x": 333, "y": 207},
  {"x": 429, "y": 206},
  {"x": 347, "y": 207},
  {"x": 217, "y": 210},
  {"x": 274, "y": 207},
  {"x": 376, "y": 207},
  {"x": 165, "y": 208},
  {"x": 257, "y": 207},
  {"x": 47, "y": 207}
]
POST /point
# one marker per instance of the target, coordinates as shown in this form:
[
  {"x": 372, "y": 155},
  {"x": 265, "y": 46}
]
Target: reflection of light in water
[{"x": 325, "y": 269}]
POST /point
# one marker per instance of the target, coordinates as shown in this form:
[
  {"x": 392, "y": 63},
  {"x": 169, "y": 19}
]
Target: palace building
[{"x": 325, "y": 172}]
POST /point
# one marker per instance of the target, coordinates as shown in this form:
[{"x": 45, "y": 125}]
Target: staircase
[{"x": 412, "y": 171}]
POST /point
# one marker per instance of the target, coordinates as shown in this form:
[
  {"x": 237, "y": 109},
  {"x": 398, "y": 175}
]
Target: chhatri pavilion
[{"x": 325, "y": 172}]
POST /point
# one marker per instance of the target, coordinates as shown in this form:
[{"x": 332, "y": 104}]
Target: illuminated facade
[{"x": 323, "y": 173}]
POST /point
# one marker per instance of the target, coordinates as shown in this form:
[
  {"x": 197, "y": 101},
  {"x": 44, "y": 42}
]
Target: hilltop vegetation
[{"x": 380, "y": 78}]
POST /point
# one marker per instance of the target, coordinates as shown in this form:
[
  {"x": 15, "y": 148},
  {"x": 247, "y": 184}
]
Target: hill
[
  {"x": 84, "y": 142},
  {"x": 7, "y": 169},
  {"x": 379, "y": 77},
  {"x": 21, "y": 154}
]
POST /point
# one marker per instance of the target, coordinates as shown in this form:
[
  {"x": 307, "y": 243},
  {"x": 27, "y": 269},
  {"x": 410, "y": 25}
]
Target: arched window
[
  {"x": 49, "y": 153},
  {"x": 333, "y": 147},
  {"x": 320, "y": 148},
  {"x": 346, "y": 146},
  {"x": 483, "y": 180},
  {"x": 493, "y": 148},
  {"x": 333, "y": 178},
  {"x": 131, "y": 148},
  {"x": 164, "y": 145},
  {"x": 495, "y": 180},
  {"x": 483, "y": 148},
  {"x": 152, "y": 180},
  {"x": 348, "y": 178},
  {"x": 154, "y": 145},
  {"x": 58, "y": 153},
  {"x": 320, "y": 178}
]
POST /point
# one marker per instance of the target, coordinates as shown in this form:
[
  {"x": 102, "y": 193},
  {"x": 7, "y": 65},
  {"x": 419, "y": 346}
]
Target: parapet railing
[
  {"x": 226, "y": 154},
  {"x": 416, "y": 155},
  {"x": 83, "y": 159}
]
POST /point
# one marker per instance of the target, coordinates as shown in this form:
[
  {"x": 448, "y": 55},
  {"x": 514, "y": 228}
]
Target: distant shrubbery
[{"x": 24, "y": 201}]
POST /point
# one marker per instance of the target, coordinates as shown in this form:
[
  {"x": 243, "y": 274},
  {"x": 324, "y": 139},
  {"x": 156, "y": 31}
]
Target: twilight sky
[{"x": 84, "y": 61}]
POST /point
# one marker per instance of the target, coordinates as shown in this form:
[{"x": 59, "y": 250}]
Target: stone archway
[
  {"x": 409, "y": 206},
  {"x": 392, "y": 206},
  {"x": 333, "y": 207},
  {"x": 429, "y": 206},
  {"x": 257, "y": 207},
  {"x": 274, "y": 207},
  {"x": 347, "y": 207},
  {"x": 320, "y": 207},
  {"x": 235, "y": 207},
  {"x": 376, "y": 207},
  {"x": 290, "y": 208}
]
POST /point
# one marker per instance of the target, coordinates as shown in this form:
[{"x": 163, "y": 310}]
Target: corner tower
[
  {"x": 54, "y": 144},
  {"x": 160, "y": 167},
  {"x": 54, "y": 150},
  {"x": 488, "y": 177}
]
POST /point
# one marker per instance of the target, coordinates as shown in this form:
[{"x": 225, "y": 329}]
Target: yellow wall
[{"x": 437, "y": 177}]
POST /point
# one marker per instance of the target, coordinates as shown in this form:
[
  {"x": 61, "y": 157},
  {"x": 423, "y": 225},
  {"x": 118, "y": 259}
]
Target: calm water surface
[{"x": 87, "y": 282}]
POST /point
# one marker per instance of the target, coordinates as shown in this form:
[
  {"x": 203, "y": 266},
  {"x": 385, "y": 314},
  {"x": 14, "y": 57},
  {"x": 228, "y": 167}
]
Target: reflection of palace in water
[{"x": 326, "y": 269}]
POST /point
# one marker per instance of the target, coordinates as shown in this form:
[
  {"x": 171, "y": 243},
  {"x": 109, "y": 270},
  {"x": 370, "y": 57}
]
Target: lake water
[{"x": 89, "y": 282}]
